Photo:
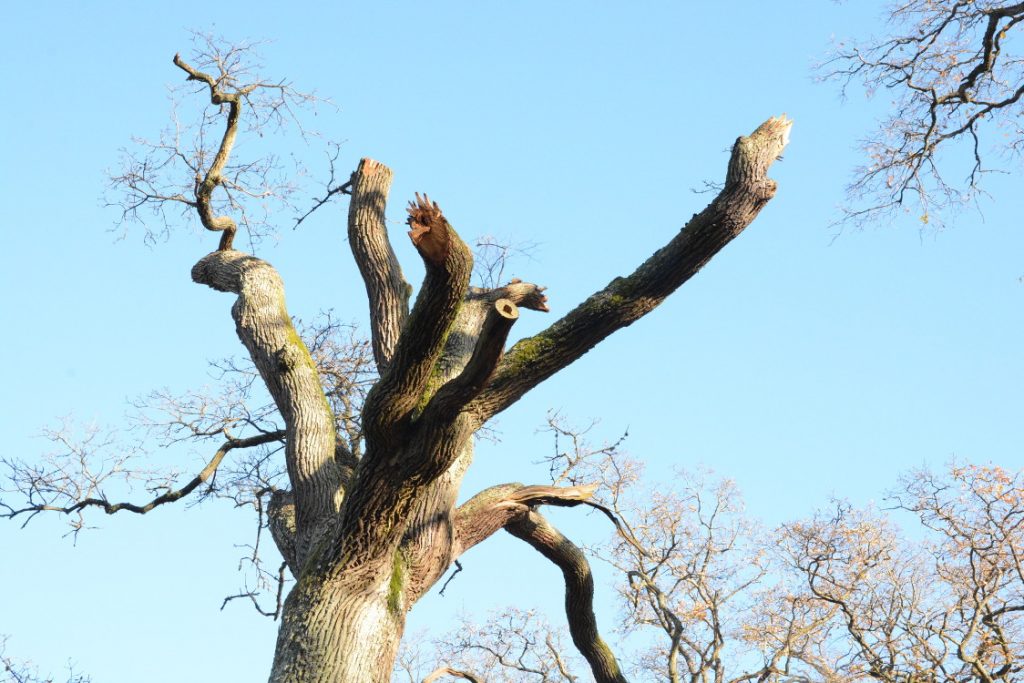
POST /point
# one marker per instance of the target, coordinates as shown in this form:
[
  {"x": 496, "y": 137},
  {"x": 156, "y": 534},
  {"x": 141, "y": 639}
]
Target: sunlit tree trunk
[
  {"x": 340, "y": 630},
  {"x": 367, "y": 530}
]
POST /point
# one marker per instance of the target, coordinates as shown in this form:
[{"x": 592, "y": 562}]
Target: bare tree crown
[
  {"x": 956, "y": 76},
  {"x": 355, "y": 467}
]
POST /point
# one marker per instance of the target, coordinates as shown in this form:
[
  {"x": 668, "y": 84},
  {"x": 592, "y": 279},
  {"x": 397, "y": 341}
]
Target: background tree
[
  {"x": 16, "y": 671},
  {"x": 948, "y": 609},
  {"x": 956, "y": 78},
  {"x": 843, "y": 596},
  {"x": 367, "y": 531}
]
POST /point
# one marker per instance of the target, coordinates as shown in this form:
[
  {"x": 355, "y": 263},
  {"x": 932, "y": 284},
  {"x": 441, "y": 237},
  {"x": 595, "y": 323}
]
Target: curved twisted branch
[
  {"x": 208, "y": 183},
  {"x": 579, "y": 591}
]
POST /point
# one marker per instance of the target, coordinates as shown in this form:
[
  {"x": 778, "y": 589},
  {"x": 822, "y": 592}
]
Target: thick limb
[
  {"x": 386, "y": 288},
  {"x": 492, "y": 509},
  {"x": 390, "y": 404},
  {"x": 626, "y": 299},
  {"x": 291, "y": 377},
  {"x": 579, "y": 591},
  {"x": 429, "y": 543}
]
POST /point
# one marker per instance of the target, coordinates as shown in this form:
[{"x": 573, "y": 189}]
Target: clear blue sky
[{"x": 799, "y": 365}]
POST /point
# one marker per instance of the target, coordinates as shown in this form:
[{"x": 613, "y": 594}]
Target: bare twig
[
  {"x": 111, "y": 508},
  {"x": 955, "y": 79}
]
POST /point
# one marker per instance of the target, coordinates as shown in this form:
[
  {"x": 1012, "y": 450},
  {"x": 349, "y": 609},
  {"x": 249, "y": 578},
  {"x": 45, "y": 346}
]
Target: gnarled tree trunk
[{"x": 365, "y": 545}]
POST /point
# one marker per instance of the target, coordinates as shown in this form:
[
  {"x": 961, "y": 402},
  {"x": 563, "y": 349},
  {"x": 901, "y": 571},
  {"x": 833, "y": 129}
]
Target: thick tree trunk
[{"x": 341, "y": 631}]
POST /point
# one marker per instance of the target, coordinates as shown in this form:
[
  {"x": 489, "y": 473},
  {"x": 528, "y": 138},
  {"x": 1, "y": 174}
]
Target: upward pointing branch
[
  {"x": 207, "y": 184},
  {"x": 386, "y": 288},
  {"x": 290, "y": 374},
  {"x": 404, "y": 382},
  {"x": 626, "y": 299}
]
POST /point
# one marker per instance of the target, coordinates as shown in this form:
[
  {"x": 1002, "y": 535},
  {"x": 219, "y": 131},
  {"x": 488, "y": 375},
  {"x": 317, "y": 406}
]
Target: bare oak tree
[
  {"x": 13, "y": 670},
  {"x": 701, "y": 582},
  {"x": 363, "y": 507},
  {"x": 956, "y": 77},
  {"x": 841, "y": 597},
  {"x": 950, "y": 609}
]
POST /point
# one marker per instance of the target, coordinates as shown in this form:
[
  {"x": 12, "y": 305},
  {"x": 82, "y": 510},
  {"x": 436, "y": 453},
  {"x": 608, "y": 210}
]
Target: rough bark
[
  {"x": 626, "y": 299},
  {"x": 492, "y": 509},
  {"x": 281, "y": 521},
  {"x": 386, "y": 289},
  {"x": 365, "y": 545},
  {"x": 335, "y": 630},
  {"x": 533, "y": 528},
  {"x": 284, "y": 363}
]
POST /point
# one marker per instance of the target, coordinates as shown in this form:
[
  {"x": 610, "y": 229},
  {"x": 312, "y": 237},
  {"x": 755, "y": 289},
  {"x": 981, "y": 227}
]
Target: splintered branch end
[
  {"x": 368, "y": 165},
  {"x": 752, "y": 155},
  {"x": 429, "y": 229},
  {"x": 776, "y": 128}
]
